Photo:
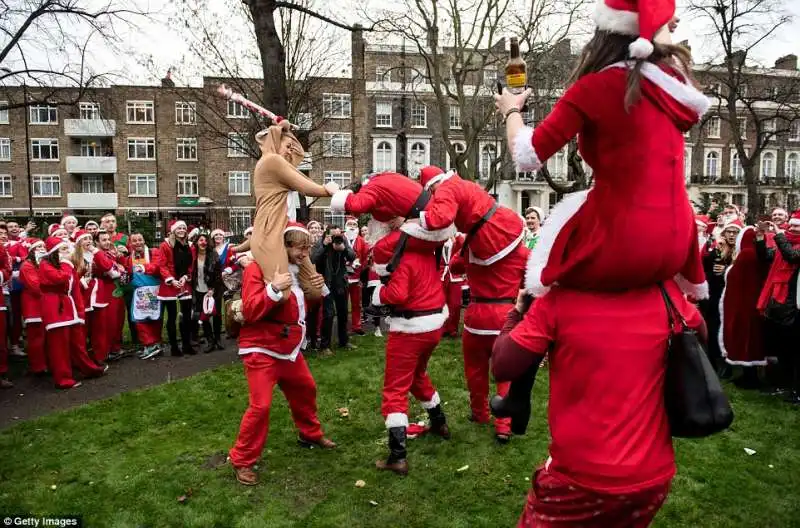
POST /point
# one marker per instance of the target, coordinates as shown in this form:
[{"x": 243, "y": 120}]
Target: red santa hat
[
  {"x": 349, "y": 219},
  {"x": 246, "y": 254},
  {"x": 428, "y": 174},
  {"x": 733, "y": 224},
  {"x": 69, "y": 217},
  {"x": 248, "y": 231},
  {"x": 635, "y": 18},
  {"x": 702, "y": 221},
  {"x": 54, "y": 229},
  {"x": 794, "y": 220},
  {"x": 217, "y": 232},
  {"x": 53, "y": 244},
  {"x": 175, "y": 224},
  {"x": 91, "y": 223},
  {"x": 296, "y": 226},
  {"x": 82, "y": 234},
  {"x": 33, "y": 243}
]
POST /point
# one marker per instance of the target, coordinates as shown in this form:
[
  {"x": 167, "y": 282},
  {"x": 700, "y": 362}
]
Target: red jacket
[
  {"x": 361, "y": 249},
  {"x": 31, "y": 295},
  {"x": 17, "y": 251},
  {"x": 169, "y": 291},
  {"x": 274, "y": 325},
  {"x": 5, "y": 273},
  {"x": 104, "y": 270},
  {"x": 58, "y": 305}
]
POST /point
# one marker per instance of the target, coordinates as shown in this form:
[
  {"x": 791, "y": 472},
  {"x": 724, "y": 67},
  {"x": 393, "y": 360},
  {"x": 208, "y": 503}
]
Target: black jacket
[
  {"x": 332, "y": 264},
  {"x": 212, "y": 270}
]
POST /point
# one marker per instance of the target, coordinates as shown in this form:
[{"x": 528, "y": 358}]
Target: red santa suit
[
  {"x": 269, "y": 344},
  {"x": 104, "y": 305},
  {"x": 361, "y": 250},
  {"x": 149, "y": 332},
  {"x": 31, "y": 313},
  {"x": 17, "y": 253},
  {"x": 454, "y": 282},
  {"x": 5, "y": 279}
]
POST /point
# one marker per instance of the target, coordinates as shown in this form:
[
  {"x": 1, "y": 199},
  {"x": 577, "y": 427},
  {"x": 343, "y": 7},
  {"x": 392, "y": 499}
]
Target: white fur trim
[
  {"x": 296, "y": 228},
  {"x": 32, "y": 320},
  {"x": 246, "y": 254},
  {"x": 325, "y": 290},
  {"x": 439, "y": 178},
  {"x": 217, "y": 232},
  {"x": 417, "y": 231},
  {"x": 275, "y": 297},
  {"x": 176, "y": 225},
  {"x": 524, "y": 155},
  {"x": 481, "y": 332},
  {"x": 641, "y": 48},
  {"x": 500, "y": 255},
  {"x": 57, "y": 247},
  {"x": 376, "y": 295},
  {"x": 616, "y": 20},
  {"x": 794, "y": 222},
  {"x": 434, "y": 401},
  {"x": 380, "y": 269},
  {"x": 418, "y": 325},
  {"x": 396, "y": 420},
  {"x": 559, "y": 216},
  {"x": 276, "y": 355},
  {"x": 720, "y": 335},
  {"x": 739, "y": 238},
  {"x": 338, "y": 200},
  {"x": 422, "y": 221},
  {"x": 248, "y": 231},
  {"x": 373, "y": 283},
  {"x": 698, "y": 292}
]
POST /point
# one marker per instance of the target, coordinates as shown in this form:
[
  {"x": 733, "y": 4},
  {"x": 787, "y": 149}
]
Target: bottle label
[{"x": 516, "y": 80}]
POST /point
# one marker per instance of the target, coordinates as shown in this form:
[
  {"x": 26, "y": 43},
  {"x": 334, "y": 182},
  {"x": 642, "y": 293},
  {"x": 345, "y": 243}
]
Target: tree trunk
[
  {"x": 753, "y": 201},
  {"x": 273, "y": 57}
]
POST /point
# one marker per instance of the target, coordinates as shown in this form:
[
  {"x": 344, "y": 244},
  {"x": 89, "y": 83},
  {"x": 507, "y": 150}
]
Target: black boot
[
  {"x": 439, "y": 422},
  {"x": 397, "y": 452},
  {"x": 517, "y": 403}
]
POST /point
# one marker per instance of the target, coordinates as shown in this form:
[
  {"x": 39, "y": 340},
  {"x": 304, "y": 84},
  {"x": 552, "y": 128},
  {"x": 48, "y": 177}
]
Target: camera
[{"x": 338, "y": 239}]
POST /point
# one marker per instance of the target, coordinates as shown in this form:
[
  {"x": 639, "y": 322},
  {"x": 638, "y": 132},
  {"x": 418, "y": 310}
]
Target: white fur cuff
[
  {"x": 697, "y": 292},
  {"x": 435, "y": 400},
  {"x": 525, "y": 157},
  {"x": 275, "y": 297},
  {"x": 396, "y": 420},
  {"x": 376, "y": 295},
  {"x": 338, "y": 200}
]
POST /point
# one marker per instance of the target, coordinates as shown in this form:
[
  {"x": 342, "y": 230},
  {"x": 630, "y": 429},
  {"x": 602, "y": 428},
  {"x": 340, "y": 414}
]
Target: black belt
[
  {"x": 410, "y": 314},
  {"x": 493, "y": 300},
  {"x": 418, "y": 206},
  {"x": 485, "y": 218}
]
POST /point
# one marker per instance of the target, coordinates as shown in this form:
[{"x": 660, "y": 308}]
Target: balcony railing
[
  {"x": 92, "y": 200},
  {"x": 92, "y": 164},
  {"x": 703, "y": 179},
  {"x": 90, "y": 127}
]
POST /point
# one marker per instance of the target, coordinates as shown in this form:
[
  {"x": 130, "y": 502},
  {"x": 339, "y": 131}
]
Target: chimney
[
  {"x": 787, "y": 62},
  {"x": 357, "y": 52},
  {"x": 167, "y": 81}
]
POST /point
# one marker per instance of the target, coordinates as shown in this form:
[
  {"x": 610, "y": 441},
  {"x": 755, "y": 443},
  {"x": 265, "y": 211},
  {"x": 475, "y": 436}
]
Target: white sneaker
[
  {"x": 378, "y": 332},
  {"x": 17, "y": 351},
  {"x": 152, "y": 352}
]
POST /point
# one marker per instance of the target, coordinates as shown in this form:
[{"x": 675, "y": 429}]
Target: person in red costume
[
  {"x": 18, "y": 248},
  {"x": 629, "y": 117},
  {"x": 144, "y": 260},
  {"x": 453, "y": 280},
  {"x": 359, "y": 245},
  {"x": 104, "y": 312},
  {"x": 31, "y": 304},
  {"x": 5, "y": 277},
  {"x": 780, "y": 218},
  {"x": 269, "y": 344}
]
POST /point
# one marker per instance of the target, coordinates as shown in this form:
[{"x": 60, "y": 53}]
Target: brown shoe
[
  {"x": 246, "y": 476},
  {"x": 325, "y": 353},
  {"x": 322, "y": 442},
  {"x": 400, "y": 467},
  {"x": 442, "y": 431}
]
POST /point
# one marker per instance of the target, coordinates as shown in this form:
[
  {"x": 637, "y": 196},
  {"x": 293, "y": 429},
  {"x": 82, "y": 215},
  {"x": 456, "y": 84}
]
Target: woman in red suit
[{"x": 31, "y": 299}]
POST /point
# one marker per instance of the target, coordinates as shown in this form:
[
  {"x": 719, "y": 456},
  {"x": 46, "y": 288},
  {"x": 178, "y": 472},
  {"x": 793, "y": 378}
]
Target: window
[
  {"x": 92, "y": 183},
  {"x": 419, "y": 115},
  {"x": 770, "y": 125},
  {"x": 743, "y": 91},
  {"x": 336, "y": 106},
  {"x": 335, "y": 219},
  {"x": 237, "y": 111},
  {"x": 712, "y": 127},
  {"x": 455, "y": 116},
  {"x": 343, "y": 178},
  {"x": 417, "y": 158},
  {"x": 336, "y": 145},
  {"x": 188, "y": 185},
  {"x": 3, "y": 113},
  {"x": 383, "y": 114},
  {"x": 792, "y": 166},
  {"x": 715, "y": 89},
  {"x": 5, "y": 149},
  {"x": 742, "y": 127},
  {"x": 46, "y": 186},
  {"x": 304, "y": 121},
  {"x": 687, "y": 164},
  {"x": 529, "y": 116},
  {"x": 237, "y": 145},
  {"x": 89, "y": 110},
  {"x": 185, "y": 113},
  {"x": 142, "y": 185},
  {"x": 459, "y": 147},
  {"x": 383, "y": 75},
  {"x": 5, "y": 186},
  {"x": 141, "y": 148},
  {"x": 240, "y": 219},
  {"x": 488, "y": 156},
  {"x": 90, "y": 148},
  {"x": 239, "y": 183},
  {"x": 712, "y": 164},
  {"x": 44, "y": 149},
  {"x": 736, "y": 171},
  {"x": 140, "y": 111},
  {"x": 557, "y": 164},
  {"x": 794, "y": 130},
  {"x": 43, "y": 115},
  {"x": 384, "y": 157},
  {"x": 186, "y": 149},
  {"x": 489, "y": 78},
  {"x": 768, "y": 165}
]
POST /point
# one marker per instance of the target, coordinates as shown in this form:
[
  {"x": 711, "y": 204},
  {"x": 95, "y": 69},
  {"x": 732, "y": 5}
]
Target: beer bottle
[{"x": 516, "y": 74}]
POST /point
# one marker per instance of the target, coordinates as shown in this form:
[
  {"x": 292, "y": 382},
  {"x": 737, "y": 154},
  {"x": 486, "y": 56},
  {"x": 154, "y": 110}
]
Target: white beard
[
  {"x": 376, "y": 231},
  {"x": 351, "y": 234}
]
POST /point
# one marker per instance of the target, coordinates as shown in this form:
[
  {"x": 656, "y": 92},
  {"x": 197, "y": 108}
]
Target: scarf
[
  {"x": 780, "y": 274},
  {"x": 181, "y": 258}
]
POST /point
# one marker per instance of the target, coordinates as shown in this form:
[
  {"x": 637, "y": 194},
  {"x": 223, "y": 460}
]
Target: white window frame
[
  {"x": 88, "y": 110},
  {"x": 334, "y": 219},
  {"x": 4, "y": 113},
  {"x": 713, "y": 132},
  {"x": 237, "y": 179},
  {"x": 52, "y": 142},
  {"x": 796, "y": 177},
  {"x": 383, "y": 75},
  {"x": 88, "y": 150},
  {"x": 735, "y": 156},
  {"x": 140, "y": 106},
  {"x": 392, "y": 142},
  {"x": 190, "y": 180},
  {"x": 415, "y": 107},
  {"x": 185, "y": 109},
  {"x": 448, "y": 161},
  {"x": 413, "y": 171},
  {"x": 774, "y": 164},
  {"x": 557, "y": 164},
  {"x": 304, "y": 120},
  {"x": 6, "y": 181},
  {"x": 50, "y": 179},
  {"x": 489, "y": 77},
  {"x": 328, "y": 150},
  {"x": 5, "y": 146},
  {"x": 770, "y": 125},
  {"x": 794, "y": 130},
  {"x": 51, "y": 110},
  {"x": 687, "y": 164},
  {"x": 337, "y": 105},
  {"x": 741, "y": 124},
  {"x": 239, "y": 219},
  {"x": 237, "y": 145},
  {"x": 343, "y": 178},
  {"x": 454, "y": 116},
  {"x": 236, "y": 111},
  {"x": 182, "y": 144},
  {"x": 147, "y": 179},
  {"x": 718, "y": 171},
  {"x": 147, "y": 142},
  {"x": 379, "y": 122},
  {"x": 90, "y": 181}
]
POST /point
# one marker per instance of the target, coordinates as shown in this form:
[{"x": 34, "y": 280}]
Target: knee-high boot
[
  {"x": 397, "y": 452},
  {"x": 439, "y": 422}
]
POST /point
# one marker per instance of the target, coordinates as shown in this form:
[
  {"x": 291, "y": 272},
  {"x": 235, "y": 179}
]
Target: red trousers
[
  {"x": 101, "y": 322},
  {"x": 3, "y": 343},
  {"x": 37, "y": 362},
  {"x": 452, "y": 291},
  {"x": 552, "y": 502},
  {"x": 16, "y": 318},
  {"x": 355, "y": 306},
  {"x": 406, "y": 370},
  {"x": 477, "y": 351},
  {"x": 117, "y": 306},
  {"x": 66, "y": 347},
  {"x": 297, "y": 384},
  {"x": 149, "y": 332}
]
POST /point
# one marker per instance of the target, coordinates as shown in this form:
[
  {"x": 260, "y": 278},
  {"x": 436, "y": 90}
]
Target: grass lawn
[{"x": 125, "y": 461}]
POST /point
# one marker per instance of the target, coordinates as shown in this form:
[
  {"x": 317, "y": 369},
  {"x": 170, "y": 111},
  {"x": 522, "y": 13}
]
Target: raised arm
[
  {"x": 789, "y": 254},
  {"x": 288, "y": 176}
]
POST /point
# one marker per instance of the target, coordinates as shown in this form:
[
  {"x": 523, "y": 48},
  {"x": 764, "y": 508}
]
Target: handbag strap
[{"x": 672, "y": 311}]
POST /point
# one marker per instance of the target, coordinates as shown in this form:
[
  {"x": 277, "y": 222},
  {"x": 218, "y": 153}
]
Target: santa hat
[
  {"x": 33, "y": 243},
  {"x": 69, "y": 217},
  {"x": 217, "y": 232},
  {"x": 296, "y": 226},
  {"x": 733, "y": 224},
  {"x": 175, "y": 224},
  {"x": 429, "y": 175},
  {"x": 349, "y": 219},
  {"x": 53, "y": 244},
  {"x": 246, "y": 254},
  {"x": 91, "y": 223},
  {"x": 81, "y": 234},
  {"x": 794, "y": 220},
  {"x": 702, "y": 221},
  {"x": 194, "y": 233},
  {"x": 634, "y": 18},
  {"x": 248, "y": 231},
  {"x": 539, "y": 212}
]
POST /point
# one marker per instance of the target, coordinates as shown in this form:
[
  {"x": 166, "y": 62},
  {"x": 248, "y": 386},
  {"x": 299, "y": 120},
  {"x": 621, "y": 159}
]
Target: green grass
[{"x": 125, "y": 461}]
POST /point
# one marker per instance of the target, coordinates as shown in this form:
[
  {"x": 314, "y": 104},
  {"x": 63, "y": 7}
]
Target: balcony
[
  {"x": 92, "y": 200},
  {"x": 90, "y": 128},
  {"x": 92, "y": 164}
]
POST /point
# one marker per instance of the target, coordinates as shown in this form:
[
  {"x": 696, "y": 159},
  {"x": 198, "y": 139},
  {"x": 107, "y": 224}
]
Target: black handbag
[
  {"x": 695, "y": 402},
  {"x": 781, "y": 314}
]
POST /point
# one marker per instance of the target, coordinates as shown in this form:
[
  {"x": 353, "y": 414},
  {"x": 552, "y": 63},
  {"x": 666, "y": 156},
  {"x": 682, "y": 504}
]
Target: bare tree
[
  {"x": 746, "y": 100},
  {"x": 46, "y": 46}
]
